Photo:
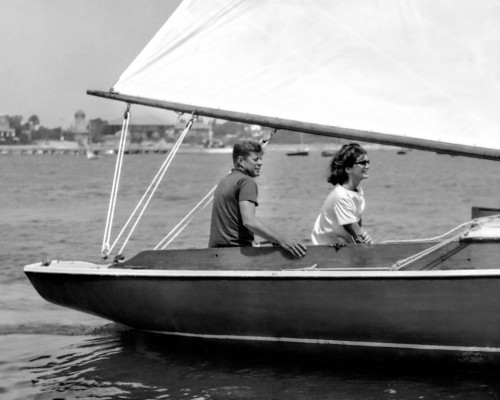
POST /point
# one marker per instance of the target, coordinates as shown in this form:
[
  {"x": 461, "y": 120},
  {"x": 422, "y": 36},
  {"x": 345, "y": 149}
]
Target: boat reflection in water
[{"x": 132, "y": 364}]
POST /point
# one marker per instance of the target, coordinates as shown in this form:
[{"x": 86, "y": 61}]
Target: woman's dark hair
[
  {"x": 345, "y": 158},
  {"x": 244, "y": 148}
]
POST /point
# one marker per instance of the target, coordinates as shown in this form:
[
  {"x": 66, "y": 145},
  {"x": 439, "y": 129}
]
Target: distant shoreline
[{"x": 66, "y": 148}]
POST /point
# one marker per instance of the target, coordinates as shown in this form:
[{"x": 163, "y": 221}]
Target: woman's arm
[{"x": 357, "y": 234}]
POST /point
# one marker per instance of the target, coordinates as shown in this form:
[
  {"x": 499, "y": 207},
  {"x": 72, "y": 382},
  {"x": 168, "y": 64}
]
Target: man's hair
[{"x": 244, "y": 148}]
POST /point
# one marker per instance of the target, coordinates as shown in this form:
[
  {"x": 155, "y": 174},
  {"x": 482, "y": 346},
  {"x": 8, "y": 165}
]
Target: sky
[{"x": 53, "y": 51}]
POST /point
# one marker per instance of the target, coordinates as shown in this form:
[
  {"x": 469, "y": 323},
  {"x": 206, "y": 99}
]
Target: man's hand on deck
[{"x": 297, "y": 249}]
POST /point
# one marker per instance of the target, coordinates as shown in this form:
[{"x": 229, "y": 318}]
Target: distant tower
[
  {"x": 80, "y": 122},
  {"x": 80, "y": 129}
]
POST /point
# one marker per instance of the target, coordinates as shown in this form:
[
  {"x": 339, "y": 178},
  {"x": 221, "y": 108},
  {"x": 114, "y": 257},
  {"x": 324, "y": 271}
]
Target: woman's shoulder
[
  {"x": 341, "y": 192},
  {"x": 338, "y": 192}
]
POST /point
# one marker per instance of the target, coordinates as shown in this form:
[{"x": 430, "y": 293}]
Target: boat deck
[{"x": 453, "y": 255}]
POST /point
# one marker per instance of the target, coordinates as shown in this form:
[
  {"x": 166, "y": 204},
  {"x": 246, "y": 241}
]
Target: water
[{"x": 55, "y": 207}]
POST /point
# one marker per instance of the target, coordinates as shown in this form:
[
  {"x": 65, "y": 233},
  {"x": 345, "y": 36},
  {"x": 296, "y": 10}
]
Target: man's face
[{"x": 251, "y": 164}]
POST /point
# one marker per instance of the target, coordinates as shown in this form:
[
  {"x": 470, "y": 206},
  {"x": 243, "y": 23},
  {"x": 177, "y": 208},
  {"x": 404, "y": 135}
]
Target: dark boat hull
[
  {"x": 403, "y": 312},
  {"x": 425, "y": 309}
]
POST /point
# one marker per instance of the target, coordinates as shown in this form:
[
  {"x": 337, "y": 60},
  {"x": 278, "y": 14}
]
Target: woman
[{"x": 340, "y": 217}]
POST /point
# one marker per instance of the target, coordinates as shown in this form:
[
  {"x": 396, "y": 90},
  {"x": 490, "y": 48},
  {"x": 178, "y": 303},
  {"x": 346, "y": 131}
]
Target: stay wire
[
  {"x": 202, "y": 204},
  {"x": 154, "y": 185},
  {"x": 116, "y": 182},
  {"x": 415, "y": 257}
]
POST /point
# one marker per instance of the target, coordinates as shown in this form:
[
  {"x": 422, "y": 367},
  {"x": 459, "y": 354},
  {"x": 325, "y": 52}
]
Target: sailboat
[
  {"x": 301, "y": 151},
  {"x": 91, "y": 154},
  {"x": 418, "y": 75}
]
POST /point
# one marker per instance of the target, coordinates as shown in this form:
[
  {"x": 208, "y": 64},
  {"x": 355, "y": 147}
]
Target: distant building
[
  {"x": 144, "y": 128},
  {"x": 200, "y": 132},
  {"x": 79, "y": 129},
  {"x": 151, "y": 129},
  {"x": 7, "y": 134}
]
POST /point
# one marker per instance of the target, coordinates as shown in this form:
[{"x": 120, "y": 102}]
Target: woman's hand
[{"x": 363, "y": 238}]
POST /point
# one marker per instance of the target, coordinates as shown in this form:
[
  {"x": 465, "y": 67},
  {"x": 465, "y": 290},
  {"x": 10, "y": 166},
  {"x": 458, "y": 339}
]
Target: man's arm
[{"x": 258, "y": 227}]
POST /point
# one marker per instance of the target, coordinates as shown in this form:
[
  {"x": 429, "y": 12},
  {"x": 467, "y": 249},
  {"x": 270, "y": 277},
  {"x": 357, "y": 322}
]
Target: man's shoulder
[
  {"x": 239, "y": 176},
  {"x": 235, "y": 181}
]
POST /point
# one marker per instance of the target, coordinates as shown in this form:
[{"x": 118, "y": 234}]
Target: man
[{"x": 234, "y": 222}]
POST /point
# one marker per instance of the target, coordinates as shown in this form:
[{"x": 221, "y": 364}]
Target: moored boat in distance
[
  {"x": 298, "y": 153},
  {"x": 328, "y": 153},
  {"x": 301, "y": 151},
  {"x": 91, "y": 154}
]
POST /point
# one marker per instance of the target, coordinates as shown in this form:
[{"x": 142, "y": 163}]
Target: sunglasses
[{"x": 363, "y": 163}]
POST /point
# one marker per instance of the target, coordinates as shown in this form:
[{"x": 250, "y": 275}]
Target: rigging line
[
  {"x": 196, "y": 209},
  {"x": 187, "y": 223},
  {"x": 163, "y": 168},
  {"x": 432, "y": 239},
  {"x": 172, "y": 153},
  {"x": 411, "y": 259},
  {"x": 473, "y": 222},
  {"x": 116, "y": 181},
  {"x": 177, "y": 230},
  {"x": 155, "y": 179}
]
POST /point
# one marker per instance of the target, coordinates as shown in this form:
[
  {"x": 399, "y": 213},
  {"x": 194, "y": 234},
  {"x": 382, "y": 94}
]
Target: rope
[
  {"x": 186, "y": 220},
  {"x": 176, "y": 231},
  {"x": 114, "y": 189},
  {"x": 154, "y": 185},
  {"x": 433, "y": 239},
  {"x": 410, "y": 260}
]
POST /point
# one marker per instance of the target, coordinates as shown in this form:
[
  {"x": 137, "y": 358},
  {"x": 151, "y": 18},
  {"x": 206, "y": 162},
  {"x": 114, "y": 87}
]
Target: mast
[{"x": 314, "y": 129}]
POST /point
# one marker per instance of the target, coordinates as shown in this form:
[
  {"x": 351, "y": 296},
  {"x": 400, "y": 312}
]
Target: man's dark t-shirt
[{"x": 226, "y": 228}]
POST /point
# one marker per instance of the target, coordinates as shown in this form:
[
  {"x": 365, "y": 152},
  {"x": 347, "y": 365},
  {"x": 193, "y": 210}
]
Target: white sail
[{"x": 414, "y": 70}]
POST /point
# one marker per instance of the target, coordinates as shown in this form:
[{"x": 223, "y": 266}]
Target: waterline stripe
[{"x": 407, "y": 346}]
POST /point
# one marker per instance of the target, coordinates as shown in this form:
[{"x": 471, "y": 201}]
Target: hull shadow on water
[{"x": 132, "y": 364}]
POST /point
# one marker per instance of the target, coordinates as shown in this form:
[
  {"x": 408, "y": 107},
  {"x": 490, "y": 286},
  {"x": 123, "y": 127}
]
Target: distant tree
[
  {"x": 47, "y": 134},
  {"x": 230, "y": 128},
  {"x": 29, "y": 127},
  {"x": 34, "y": 120},
  {"x": 24, "y": 138}
]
